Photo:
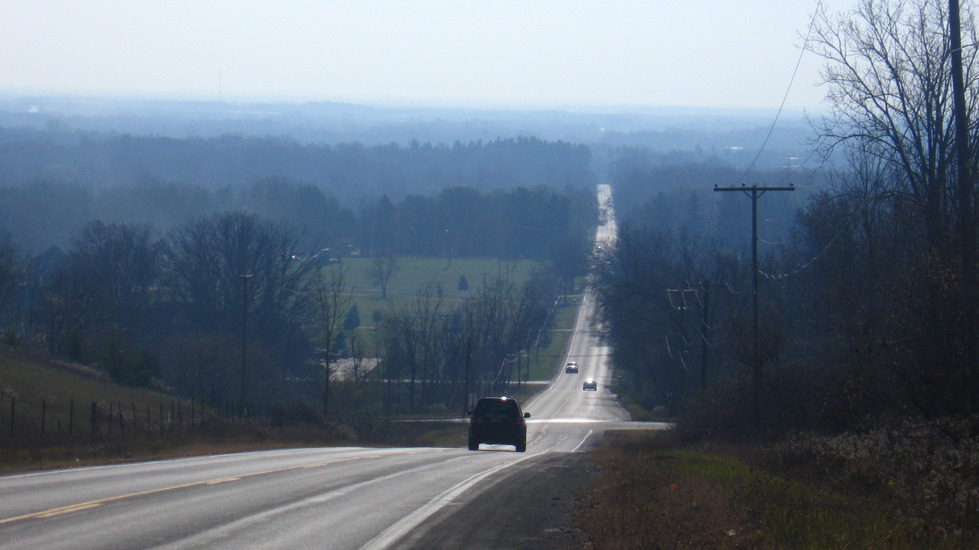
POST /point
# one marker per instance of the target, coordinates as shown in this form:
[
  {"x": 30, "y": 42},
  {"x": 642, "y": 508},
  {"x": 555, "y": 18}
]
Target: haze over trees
[
  {"x": 180, "y": 260},
  {"x": 236, "y": 214},
  {"x": 206, "y": 207},
  {"x": 735, "y": 135},
  {"x": 348, "y": 171},
  {"x": 866, "y": 330},
  {"x": 861, "y": 318},
  {"x": 213, "y": 284}
]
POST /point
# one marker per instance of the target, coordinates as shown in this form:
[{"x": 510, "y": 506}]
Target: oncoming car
[
  {"x": 499, "y": 421},
  {"x": 590, "y": 385},
  {"x": 571, "y": 367}
]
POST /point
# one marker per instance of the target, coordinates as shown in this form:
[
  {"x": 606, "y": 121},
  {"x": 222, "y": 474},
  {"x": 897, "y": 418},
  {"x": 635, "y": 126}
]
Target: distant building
[{"x": 352, "y": 368}]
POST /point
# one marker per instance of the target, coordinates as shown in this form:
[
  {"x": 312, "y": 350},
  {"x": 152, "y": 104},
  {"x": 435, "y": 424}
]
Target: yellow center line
[
  {"x": 223, "y": 480},
  {"x": 66, "y": 510},
  {"x": 61, "y": 510},
  {"x": 539, "y": 435}
]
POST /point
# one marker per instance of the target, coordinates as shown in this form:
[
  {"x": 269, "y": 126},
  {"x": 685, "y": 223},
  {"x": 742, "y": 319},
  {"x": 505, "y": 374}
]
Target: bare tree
[
  {"x": 630, "y": 283},
  {"x": 333, "y": 300},
  {"x": 236, "y": 270},
  {"x": 104, "y": 286},
  {"x": 427, "y": 345},
  {"x": 381, "y": 270},
  {"x": 124, "y": 262},
  {"x": 12, "y": 270},
  {"x": 890, "y": 78}
]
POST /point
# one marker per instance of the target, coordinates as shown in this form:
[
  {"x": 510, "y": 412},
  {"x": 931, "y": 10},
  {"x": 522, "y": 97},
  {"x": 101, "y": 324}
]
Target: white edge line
[
  {"x": 583, "y": 440},
  {"x": 412, "y": 520}
]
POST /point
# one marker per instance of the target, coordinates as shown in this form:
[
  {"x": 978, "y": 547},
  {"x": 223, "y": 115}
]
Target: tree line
[
  {"x": 348, "y": 171},
  {"x": 242, "y": 305},
  {"x": 184, "y": 262},
  {"x": 539, "y": 222},
  {"x": 864, "y": 300}
]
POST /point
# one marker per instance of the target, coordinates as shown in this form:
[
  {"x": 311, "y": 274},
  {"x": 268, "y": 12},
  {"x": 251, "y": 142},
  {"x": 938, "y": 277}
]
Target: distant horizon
[
  {"x": 737, "y": 54},
  {"x": 393, "y": 103}
]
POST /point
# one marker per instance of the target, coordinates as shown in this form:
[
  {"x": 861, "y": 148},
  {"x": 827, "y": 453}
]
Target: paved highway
[{"x": 300, "y": 498}]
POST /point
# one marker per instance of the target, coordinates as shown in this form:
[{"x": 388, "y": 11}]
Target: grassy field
[
  {"x": 46, "y": 420},
  {"x": 32, "y": 385},
  {"x": 544, "y": 364},
  {"x": 414, "y": 272}
]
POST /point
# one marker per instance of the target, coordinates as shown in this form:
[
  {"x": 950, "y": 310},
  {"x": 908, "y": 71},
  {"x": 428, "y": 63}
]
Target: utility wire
[
  {"x": 805, "y": 266},
  {"x": 840, "y": 229},
  {"x": 785, "y": 97}
]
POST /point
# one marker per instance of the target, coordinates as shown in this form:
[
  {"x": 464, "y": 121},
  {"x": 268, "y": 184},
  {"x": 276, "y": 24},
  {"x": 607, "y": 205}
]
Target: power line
[
  {"x": 803, "y": 267},
  {"x": 785, "y": 96}
]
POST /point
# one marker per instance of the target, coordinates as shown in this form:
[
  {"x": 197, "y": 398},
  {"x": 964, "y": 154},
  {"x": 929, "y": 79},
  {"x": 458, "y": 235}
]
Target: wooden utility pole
[
  {"x": 755, "y": 192},
  {"x": 704, "y": 329},
  {"x": 682, "y": 308},
  {"x": 703, "y": 337},
  {"x": 966, "y": 222}
]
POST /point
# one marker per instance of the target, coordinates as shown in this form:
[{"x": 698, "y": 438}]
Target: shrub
[{"x": 927, "y": 472}]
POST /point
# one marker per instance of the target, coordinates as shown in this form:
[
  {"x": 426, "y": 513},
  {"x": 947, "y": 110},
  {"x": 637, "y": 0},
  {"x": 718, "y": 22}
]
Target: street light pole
[
  {"x": 465, "y": 385},
  {"x": 244, "y": 340}
]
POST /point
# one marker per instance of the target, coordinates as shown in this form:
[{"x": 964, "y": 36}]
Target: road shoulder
[{"x": 530, "y": 505}]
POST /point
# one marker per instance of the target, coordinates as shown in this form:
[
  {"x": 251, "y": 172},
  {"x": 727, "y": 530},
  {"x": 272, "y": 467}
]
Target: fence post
[
  {"x": 13, "y": 413},
  {"x": 44, "y": 414},
  {"x": 71, "y": 417}
]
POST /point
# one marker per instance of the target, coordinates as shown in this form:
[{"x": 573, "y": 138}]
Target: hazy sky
[{"x": 540, "y": 53}]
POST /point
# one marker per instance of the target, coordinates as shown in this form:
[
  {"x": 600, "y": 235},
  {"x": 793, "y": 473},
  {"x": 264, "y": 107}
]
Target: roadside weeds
[{"x": 655, "y": 493}]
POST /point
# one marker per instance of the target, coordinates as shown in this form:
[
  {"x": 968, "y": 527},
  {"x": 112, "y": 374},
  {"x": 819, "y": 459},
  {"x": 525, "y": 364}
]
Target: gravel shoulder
[{"x": 530, "y": 505}]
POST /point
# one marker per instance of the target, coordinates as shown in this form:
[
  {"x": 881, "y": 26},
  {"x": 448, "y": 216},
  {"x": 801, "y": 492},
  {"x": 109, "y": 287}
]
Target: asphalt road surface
[{"x": 336, "y": 497}]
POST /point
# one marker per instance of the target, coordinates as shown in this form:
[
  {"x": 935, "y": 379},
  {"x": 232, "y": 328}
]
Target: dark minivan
[{"x": 499, "y": 421}]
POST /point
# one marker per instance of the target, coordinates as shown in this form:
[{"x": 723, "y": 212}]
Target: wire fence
[{"x": 54, "y": 422}]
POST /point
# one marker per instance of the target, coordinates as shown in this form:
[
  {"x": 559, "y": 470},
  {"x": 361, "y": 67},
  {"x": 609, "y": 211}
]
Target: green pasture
[{"x": 414, "y": 272}]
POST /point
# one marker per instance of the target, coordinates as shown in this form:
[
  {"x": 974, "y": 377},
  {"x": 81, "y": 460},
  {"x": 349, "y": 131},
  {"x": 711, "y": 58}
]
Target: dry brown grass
[
  {"x": 656, "y": 494},
  {"x": 645, "y": 500},
  {"x": 926, "y": 473}
]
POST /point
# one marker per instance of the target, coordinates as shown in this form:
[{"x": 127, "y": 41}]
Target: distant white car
[{"x": 571, "y": 367}]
